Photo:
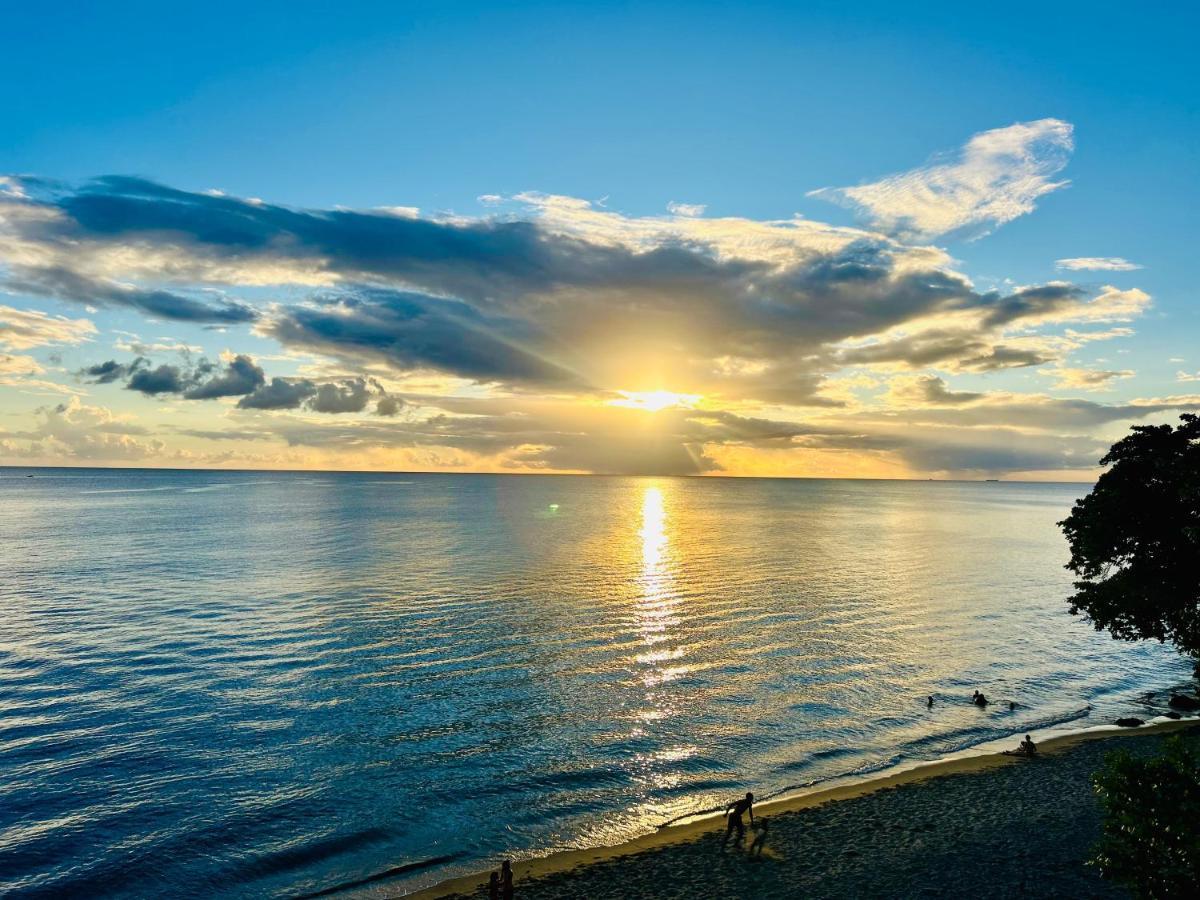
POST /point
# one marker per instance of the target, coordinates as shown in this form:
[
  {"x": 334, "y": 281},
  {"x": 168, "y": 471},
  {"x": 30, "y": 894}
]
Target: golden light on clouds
[{"x": 654, "y": 401}]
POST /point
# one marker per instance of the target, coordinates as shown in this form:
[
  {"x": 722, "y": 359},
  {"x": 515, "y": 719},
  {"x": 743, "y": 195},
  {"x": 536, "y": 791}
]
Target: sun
[{"x": 653, "y": 401}]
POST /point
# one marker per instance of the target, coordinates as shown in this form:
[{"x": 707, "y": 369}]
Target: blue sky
[{"x": 744, "y": 109}]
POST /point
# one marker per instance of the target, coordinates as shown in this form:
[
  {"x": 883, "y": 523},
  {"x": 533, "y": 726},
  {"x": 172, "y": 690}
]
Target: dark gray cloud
[
  {"x": 109, "y": 371},
  {"x": 240, "y": 376},
  {"x": 388, "y": 406},
  {"x": 279, "y": 393},
  {"x": 1031, "y": 302},
  {"x": 946, "y": 347},
  {"x": 350, "y": 395},
  {"x": 64, "y": 284},
  {"x": 415, "y": 331},
  {"x": 932, "y": 389},
  {"x": 205, "y": 380},
  {"x": 164, "y": 379}
]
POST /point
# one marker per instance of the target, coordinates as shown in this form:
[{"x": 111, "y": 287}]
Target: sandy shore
[{"x": 982, "y": 825}]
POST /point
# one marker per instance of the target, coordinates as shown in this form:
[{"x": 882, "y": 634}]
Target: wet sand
[{"x": 981, "y": 826}]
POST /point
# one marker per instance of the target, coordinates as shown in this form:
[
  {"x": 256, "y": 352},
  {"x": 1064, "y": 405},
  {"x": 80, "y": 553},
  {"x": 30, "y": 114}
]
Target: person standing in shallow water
[{"x": 734, "y": 812}]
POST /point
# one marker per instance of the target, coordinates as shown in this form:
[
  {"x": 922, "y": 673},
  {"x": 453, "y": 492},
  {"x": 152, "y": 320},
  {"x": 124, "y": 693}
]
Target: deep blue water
[{"x": 263, "y": 684}]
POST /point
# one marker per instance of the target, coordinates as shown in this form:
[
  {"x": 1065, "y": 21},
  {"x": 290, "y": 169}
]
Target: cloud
[
  {"x": 388, "y": 406},
  {"x": 414, "y": 331},
  {"x": 351, "y": 395},
  {"x": 239, "y": 376},
  {"x": 64, "y": 284},
  {"x": 19, "y": 365},
  {"x": 19, "y": 372},
  {"x": 1187, "y": 376},
  {"x": 109, "y": 371},
  {"x": 568, "y": 298},
  {"x": 924, "y": 390},
  {"x": 1098, "y": 263},
  {"x": 163, "y": 379},
  {"x": 1086, "y": 379},
  {"x": 23, "y": 329},
  {"x": 280, "y": 393},
  {"x": 495, "y": 342},
  {"x": 75, "y": 429},
  {"x": 996, "y": 177},
  {"x": 343, "y": 395}
]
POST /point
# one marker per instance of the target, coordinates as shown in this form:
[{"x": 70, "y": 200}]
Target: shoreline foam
[{"x": 976, "y": 759}]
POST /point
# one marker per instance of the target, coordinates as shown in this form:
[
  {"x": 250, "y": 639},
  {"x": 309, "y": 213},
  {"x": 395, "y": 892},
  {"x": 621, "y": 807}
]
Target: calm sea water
[{"x": 248, "y": 684}]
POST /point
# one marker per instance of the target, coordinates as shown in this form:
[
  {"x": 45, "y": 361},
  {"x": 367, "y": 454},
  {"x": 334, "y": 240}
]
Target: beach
[{"x": 981, "y": 826}]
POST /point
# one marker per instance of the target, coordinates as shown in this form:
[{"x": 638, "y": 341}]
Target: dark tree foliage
[
  {"x": 1135, "y": 539},
  {"x": 1151, "y": 842}
]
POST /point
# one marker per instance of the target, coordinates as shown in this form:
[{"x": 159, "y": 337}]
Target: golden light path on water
[{"x": 658, "y": 612}]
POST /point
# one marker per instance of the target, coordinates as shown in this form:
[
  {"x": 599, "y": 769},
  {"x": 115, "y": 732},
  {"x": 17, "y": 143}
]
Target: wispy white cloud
[
  {"x": 1187, "y": 376},
  {"x": 21, "y": 329},
  {"x": 997, "y": 176},
  {"x": 1086, "y": 379},
  {"x": 686, "y": 209},
  {"x": 1097, "y": 263}
]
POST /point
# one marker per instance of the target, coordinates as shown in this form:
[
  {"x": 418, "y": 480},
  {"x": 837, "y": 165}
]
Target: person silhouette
[
  {"x": 493, "y": 886},
  {"x": 506, "y": 880},
  {"x": 756, "y": 845},
  {"x": 1027, "y": 746},
  {"x": 978, "y": 699},
  {"x": 734, "y": 812},
  {"x": 929, "y": 702}
]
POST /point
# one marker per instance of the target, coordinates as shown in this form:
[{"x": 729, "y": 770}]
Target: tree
[
  {"x": 1150, "y": 842},
  {"x": 1135, "y": 539}
]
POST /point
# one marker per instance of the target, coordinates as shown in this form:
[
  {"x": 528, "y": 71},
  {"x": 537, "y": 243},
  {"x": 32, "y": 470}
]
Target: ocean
[{"x": 249, "y": 684}]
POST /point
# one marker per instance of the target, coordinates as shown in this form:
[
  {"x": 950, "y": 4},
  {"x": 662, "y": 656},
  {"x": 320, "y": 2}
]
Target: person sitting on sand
[
  {"x": 1026, "y": 748},
  {"x": 756, "y": 845},
  {"x": 734, "y": 812}
]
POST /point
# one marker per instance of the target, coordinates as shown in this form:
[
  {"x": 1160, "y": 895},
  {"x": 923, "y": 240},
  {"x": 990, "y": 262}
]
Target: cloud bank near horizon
[{"x": 546, "y": 308}]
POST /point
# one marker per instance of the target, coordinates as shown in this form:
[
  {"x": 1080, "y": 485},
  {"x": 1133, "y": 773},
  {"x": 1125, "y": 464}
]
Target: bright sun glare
[{"x": 653, "y": 401}]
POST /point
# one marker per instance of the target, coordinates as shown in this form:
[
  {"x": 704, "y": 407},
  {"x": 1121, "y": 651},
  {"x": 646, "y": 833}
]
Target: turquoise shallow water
[{"x": 266, "y": 684}]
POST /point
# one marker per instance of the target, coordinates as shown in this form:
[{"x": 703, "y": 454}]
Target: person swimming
[
  {"x": 734, "y": 812},
  {"x": 978, "y": 699},
  {"x": 929, "y": 702}
]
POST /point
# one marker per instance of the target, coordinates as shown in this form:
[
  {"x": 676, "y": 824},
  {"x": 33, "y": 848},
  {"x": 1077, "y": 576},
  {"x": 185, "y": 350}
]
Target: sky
[{"x": 667, "y": 239}]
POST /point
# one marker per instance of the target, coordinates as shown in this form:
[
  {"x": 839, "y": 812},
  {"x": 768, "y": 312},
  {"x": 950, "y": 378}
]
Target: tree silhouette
[{"x": 1135, "y": 539}]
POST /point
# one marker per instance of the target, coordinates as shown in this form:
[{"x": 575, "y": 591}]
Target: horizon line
[{"x": 551, "y": 474}]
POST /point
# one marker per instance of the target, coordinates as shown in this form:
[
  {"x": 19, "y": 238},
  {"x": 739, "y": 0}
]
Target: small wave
[
  {"x": 130, "y": 490},
  {"x": 384, "y": 875}
]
